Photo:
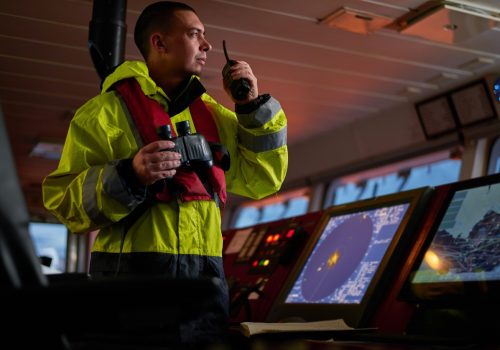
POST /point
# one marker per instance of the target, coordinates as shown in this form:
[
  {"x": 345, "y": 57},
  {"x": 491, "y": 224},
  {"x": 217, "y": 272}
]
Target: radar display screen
[
  {"x": 466, "y": 246},
  {"x": 346, "y": 256}
]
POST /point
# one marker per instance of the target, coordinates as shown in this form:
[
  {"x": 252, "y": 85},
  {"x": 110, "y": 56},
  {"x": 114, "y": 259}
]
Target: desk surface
[{"x": 358, "y": 342}]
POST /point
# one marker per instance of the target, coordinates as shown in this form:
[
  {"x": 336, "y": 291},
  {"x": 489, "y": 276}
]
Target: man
[{"x": 117, "y": 177}]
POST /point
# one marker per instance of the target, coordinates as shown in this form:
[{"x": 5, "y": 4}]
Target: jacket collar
[
  {"x": 139, "y": 71},
  {"x": 192, "y": 90}
]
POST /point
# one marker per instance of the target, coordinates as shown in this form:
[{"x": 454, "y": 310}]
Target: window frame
[
  {"x": 494, "y": 156},
  {"x": 398, "y": 167}
]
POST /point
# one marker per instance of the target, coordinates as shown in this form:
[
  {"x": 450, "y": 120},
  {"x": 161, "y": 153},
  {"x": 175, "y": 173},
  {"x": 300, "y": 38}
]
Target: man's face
[{"x": 186, "y": 45}]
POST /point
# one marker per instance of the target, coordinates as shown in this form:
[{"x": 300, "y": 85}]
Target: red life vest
[{"x": 148, "y": 115}]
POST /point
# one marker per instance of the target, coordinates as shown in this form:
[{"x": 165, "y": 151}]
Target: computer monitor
[
  {"x": 459, "y": 263},
  {"x": 346, "y": 265}
]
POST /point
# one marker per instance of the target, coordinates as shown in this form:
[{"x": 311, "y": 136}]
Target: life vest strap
[{"x": 148, "y": 115}]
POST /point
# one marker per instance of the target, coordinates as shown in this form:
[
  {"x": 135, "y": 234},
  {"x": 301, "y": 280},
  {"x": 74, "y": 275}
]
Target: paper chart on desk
[{"x": 252, "y": 328}]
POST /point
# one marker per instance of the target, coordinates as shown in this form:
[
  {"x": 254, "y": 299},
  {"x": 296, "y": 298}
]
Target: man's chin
[
  {"x": 197, "y": 71},
  {"x": 193, "y": 71}
]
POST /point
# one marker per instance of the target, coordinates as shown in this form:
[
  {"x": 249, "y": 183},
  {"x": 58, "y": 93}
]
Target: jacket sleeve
[
  {"x": 89, "y": 189},
  {"x": 256, "y": 140}
]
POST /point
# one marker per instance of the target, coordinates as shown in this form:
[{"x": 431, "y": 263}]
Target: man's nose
[{"x": 206, "y": 46}]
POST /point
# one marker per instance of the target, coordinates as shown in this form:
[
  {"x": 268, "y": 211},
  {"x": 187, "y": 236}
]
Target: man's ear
[{"x": 158, "y": 42}]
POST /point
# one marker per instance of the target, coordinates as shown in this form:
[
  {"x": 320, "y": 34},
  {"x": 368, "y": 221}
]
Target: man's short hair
[{"x": 155, "y": 17}]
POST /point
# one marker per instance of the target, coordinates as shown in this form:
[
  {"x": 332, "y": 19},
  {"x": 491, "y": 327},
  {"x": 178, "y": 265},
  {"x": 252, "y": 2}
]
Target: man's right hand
[{"x": 154, "y": 162}]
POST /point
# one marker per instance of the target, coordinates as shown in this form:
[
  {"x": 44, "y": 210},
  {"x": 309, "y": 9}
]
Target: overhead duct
[
  {"x": 448, "y": 21},
  {"x": 107, "y": 30}
]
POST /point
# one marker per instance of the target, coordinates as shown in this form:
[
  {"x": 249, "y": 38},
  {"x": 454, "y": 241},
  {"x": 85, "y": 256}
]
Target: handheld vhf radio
[{"x": 239, "y": 88}]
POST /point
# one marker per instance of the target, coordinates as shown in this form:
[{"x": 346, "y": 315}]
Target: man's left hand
[{"x": 239, "y": 70}]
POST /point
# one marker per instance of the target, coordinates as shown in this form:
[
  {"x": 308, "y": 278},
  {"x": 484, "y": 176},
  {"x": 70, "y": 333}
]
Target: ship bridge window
[
  {"x": 433, "y": 170},
  {"x": 274, "y": 208},
  {"x": 50, "y": 242},
  {"x": 494, "y": 162}
]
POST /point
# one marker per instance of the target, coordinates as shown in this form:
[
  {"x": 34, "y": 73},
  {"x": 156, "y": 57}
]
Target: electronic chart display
[
  {"x": 346, "y": 256},
  {"x": 466, "y": 244}
]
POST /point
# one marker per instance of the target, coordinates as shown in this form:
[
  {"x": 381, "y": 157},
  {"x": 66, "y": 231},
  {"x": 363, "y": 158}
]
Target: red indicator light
[
  {"x": 290, "y": 233},
  {"x": 255, "y": 263}
]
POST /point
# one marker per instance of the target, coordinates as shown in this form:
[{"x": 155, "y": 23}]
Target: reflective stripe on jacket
[{"x": 87, "y": 191}]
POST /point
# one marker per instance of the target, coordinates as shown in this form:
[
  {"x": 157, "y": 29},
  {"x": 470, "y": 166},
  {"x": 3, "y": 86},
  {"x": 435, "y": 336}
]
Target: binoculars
[{"x": 194, "y": 148}]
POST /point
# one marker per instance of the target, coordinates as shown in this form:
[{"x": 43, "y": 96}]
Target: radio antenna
[{"x": 225, "y": 51}]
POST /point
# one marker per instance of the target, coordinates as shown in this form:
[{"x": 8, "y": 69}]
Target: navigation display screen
[
  {"x": 466, "y": 246},
  {"x": 346, "y": 256}
]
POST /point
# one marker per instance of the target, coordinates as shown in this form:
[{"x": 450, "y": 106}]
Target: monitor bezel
[
  {"x": 450, "y": 294},
  {"x": 355, "y": 315}
]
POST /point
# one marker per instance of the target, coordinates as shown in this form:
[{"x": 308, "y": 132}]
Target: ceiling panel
[{"x": 324, "y": 77}]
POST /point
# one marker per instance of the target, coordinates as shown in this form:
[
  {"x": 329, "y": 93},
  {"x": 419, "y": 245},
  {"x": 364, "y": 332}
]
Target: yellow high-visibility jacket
[{"x": 88, "y": 191}]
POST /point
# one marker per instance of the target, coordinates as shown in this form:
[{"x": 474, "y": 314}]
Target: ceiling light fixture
[
  {"x": 477, "y": 63},
  {"x": 356, "y": 21},
  {"x": 47, "y": 150},
  {"x": 447, "y": 22},
  {"x": 443, "y": 78}
]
